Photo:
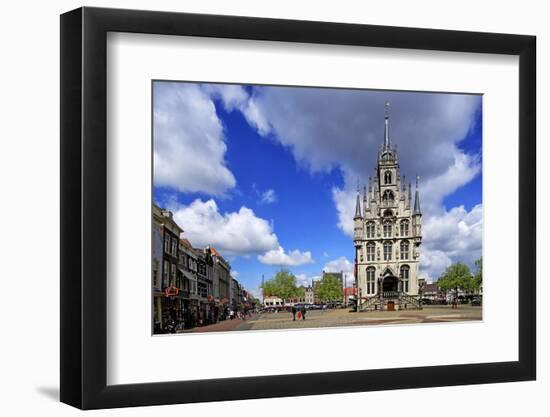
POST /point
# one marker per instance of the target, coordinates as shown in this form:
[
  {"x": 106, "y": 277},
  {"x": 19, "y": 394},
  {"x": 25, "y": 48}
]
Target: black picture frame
[{"x": 84, "y": 207}]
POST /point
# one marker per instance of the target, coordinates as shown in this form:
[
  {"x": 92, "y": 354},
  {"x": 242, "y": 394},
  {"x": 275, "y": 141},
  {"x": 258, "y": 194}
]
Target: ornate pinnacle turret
[
  {"x": 358, "y": 207},
  {"x": 365, "y": 201},
  {"x": 417, "y": 199},
  {"x": 410, "y": 197}
]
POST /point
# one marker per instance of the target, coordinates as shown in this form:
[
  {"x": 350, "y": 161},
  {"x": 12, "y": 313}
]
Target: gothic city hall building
[{"x": 387, "y": 236}]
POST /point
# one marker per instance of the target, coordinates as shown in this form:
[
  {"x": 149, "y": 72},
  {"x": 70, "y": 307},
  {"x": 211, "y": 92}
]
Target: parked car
[{"x": 476, "y": 302}]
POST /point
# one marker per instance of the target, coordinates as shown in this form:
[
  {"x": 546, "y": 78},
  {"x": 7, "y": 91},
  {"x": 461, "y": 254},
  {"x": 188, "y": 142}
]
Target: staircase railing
[
  {"x": 369, "y": 304},
  {"x": 412, "y": 300},
  {"x": 375, "y": 302}
]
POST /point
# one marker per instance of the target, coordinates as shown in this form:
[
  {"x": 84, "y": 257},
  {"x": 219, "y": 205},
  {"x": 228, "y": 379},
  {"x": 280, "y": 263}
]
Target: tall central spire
[{"x": 387, "y": 143}]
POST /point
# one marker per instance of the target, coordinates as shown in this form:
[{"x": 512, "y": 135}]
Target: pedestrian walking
[
  {"x": 455, "y": 303},
  {"x": 303, "y": 313},
  {"x": 294, "y": 313}
]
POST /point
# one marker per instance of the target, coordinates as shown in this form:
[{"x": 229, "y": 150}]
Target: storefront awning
[{"x": 187, "y": 274}]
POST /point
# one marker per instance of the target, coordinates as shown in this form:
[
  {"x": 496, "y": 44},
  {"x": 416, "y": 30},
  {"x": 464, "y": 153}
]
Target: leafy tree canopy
[
  {"x": 457, "y": 277},
  {"x": 329, "y": 288},
  {"x": 478, "y": 277},
  {"x": 283, "y": 285}
]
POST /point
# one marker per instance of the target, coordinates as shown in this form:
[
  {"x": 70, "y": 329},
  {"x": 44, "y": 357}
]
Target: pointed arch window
[
  {"x": 387, "y": 251},
  {"x": 404, "y": 249},
  {"x": 404, "y": 275},
  {"x": 387, "y": 177},
  {"x": 370, "y": 229},
  {"x": 404, "y": 228},
  {"x": 371, "y": 280},
  {"x": 388, "y": 229},
  {"x": 370, "y": 251}
]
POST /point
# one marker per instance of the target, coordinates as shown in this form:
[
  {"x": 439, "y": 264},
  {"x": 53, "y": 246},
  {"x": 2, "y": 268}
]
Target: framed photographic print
[{"x": 258, "y": 208}]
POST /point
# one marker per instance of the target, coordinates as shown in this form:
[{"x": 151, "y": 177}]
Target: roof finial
[{"x": 387, "y": 144}]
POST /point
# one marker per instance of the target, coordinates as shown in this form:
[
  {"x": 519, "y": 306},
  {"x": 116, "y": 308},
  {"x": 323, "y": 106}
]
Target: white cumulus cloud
[
  {"x": 452, "y": 236},
  {"x": 239, "y": 233},
  {"x": 234, "y": 233},
  {"x": 342, "y": 264},
  {"x": 305, "y": 280},
  {"x": 344, "y": 200},
  {"x": 280, "y": 257},
  {"x": 189, "y": 146}
]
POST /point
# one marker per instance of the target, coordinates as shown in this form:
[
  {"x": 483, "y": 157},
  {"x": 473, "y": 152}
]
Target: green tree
[
  {"x": 269, "y": 288},
  {"x": 254, "y": 301},
  {"x": 457, "y": 277},
  {"x": 283, "y": 285},
  {"x": 329, "y": 288},
  {"x": 478, "y": 277}
]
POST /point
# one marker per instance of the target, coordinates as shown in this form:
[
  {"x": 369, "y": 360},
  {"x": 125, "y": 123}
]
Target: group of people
[
  {"x": 300, "y": 312},
  {"x": 242, "y": 315}
]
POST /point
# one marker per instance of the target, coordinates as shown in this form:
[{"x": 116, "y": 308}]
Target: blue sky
[{"x": 267, "y": 175}]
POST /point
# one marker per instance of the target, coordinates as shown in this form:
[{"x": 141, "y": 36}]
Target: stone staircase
[{"x": 401, "y": 301}]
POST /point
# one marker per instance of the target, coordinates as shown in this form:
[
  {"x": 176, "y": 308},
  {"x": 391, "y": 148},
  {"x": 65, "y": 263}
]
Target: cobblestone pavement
[{"x": 343, "y": 317}]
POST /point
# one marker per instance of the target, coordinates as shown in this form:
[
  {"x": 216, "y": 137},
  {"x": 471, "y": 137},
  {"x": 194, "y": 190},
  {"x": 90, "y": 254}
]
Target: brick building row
[{"x": 190, "y": 286}]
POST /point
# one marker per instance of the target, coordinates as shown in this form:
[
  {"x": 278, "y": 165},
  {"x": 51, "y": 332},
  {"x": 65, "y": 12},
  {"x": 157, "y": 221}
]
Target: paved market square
[{"x": 344, "y": 317}]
